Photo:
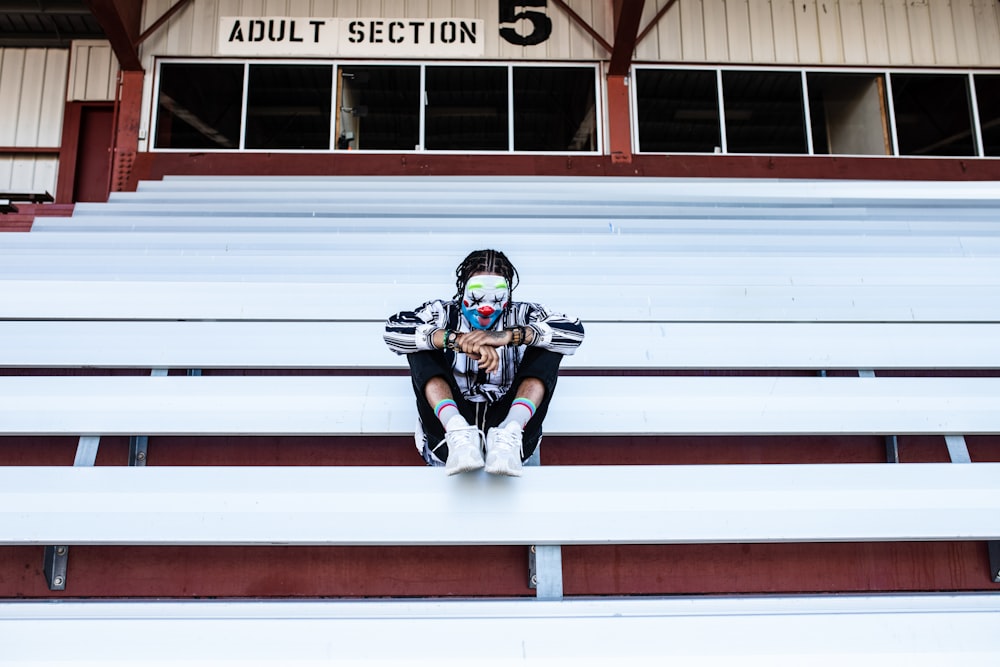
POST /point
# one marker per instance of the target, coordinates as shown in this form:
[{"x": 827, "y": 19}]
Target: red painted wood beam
[
  {"x": 153, "y": 166},
  {"x": 628, "y": 14},
  {"x": 120, "y": 21}
]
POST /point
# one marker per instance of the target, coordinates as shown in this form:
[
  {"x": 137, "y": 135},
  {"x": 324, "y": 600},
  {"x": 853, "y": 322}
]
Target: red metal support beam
[
  {"x": 120, "y": 21},
  {"x": 628, "y": 14},
  {"x": 126, "y": 132}
]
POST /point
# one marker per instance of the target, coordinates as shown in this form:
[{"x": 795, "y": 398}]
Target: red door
[{"x": 93, "y": 158}]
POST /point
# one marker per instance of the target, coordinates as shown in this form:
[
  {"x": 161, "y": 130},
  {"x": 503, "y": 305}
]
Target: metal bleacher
[{"x": 674, "y": 279}]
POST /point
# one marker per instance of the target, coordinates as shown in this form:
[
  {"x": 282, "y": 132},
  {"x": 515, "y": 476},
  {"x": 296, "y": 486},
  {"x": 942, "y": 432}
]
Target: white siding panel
[
  {"x": 943, "y": 33},
  {"x": 669, "y": 34},
  {"x": 11, "y": 76},
  {"x": 988, "y": 32},
  {"x": 28, "y": 173},
  {"x": 204, "y": 27},
  {"x": 692, "y": 29},
  {"x": 876, "y": 37},
  {"x": 831, "y": 38},
  {"x": 716, "y": 40},
  {"x": 656, "y": 46},
  {"x": 738, "y": 27},
  {"x": 30, "y": 101},
  {"x": 918, "y": 17},
  {"x": 761, "y": 31},
  {"x": 897, "y": 30},
  {"x": 93, "y": 72},
  {"x": 786, "y": 43},
  {"x": 53, "y": 97},
  {"x": 964, "y": 17},
  {"x": 807, "y": 32},
  {"x": 852, "y": 28}
]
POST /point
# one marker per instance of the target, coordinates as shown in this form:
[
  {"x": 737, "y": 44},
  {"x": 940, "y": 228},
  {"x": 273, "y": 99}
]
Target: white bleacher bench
[
  {"x": 915, "y": 630},
  {"x": 549, "y": 505},
  {"x": 221, "y": 300},
  {"x": 250, "y": 260},
  {"x": 636, "y": 346},
  {"x": 614, "y": 405}
]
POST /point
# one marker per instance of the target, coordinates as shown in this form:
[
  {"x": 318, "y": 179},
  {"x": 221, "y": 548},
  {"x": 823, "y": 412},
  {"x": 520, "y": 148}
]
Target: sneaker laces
[
  {"x": 506, "y": 440},
  {"x": 463, "y": 436}
]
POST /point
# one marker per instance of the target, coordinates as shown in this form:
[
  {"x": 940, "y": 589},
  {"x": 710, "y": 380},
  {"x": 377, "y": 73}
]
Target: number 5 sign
[{"x": 541, "y": 25}]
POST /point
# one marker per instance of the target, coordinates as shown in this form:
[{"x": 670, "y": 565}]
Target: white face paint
[{"x": 486, "y": 296}]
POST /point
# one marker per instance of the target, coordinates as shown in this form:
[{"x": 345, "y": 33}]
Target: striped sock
[
  {"x": 521, "y": 411},
  {"x": 445, "y": 410}
]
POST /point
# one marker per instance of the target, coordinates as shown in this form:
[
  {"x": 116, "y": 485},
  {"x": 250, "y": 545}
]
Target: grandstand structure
[{"x": 778, "y": 444}]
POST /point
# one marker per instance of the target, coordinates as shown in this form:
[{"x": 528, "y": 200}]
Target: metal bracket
[
  {"x": 56, "y": 558},
  {"x": 545, "y": 571},
  {"x": 138, "y": 445},
  {"x": 958, "y": 450},
  {"x": 544, "y": 562},
  {"x": 891, "y": 449}
]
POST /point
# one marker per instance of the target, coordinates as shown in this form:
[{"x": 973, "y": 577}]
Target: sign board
[{"x": 355, "y": 37}]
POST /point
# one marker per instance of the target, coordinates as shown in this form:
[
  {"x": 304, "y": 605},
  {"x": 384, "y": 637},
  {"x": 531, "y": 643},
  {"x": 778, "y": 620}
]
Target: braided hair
[{"x": 485, "y": 261}]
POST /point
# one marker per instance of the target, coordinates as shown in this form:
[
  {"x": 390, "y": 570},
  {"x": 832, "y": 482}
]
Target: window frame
[
  {"x": 885, "y": 72},
  {"x": 599, "y": 89}
]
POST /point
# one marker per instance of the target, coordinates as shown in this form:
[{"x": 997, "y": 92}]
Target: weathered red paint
[{"x": 153, "y": 166}]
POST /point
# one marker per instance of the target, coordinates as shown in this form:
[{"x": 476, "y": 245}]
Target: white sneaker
[
  {"x": 503, "y": 450},
  {"x": 465, "y": 450}
]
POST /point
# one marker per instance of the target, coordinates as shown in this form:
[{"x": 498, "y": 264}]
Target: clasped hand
[{"x": 482, "y": 346}]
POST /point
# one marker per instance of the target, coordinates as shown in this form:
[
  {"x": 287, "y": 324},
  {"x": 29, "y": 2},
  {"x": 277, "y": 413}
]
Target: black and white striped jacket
[{"x": 410, "y": 331}]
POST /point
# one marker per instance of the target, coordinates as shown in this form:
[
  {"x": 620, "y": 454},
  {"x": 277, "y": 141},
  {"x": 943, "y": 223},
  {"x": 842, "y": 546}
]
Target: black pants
[{"x": 536, "y": 363}]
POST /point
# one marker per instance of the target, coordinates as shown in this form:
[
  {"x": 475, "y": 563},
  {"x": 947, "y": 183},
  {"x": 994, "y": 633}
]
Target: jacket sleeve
[
  {"x": 554, "y": 331},
  {"x": 410, "y": 331}
]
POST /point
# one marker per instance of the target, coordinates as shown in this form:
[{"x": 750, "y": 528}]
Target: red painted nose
[{"x": 486, "y": 311}]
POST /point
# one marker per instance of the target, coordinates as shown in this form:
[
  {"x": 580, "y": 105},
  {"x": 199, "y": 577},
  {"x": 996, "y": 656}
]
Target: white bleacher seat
[
  {"x": 549, "y": 505},
  {"x": 915, "y": 630},
  {"x": 608, "y": 345},
  {"x": 289, "y": 300},
  {"x": 615, "y": 405}
]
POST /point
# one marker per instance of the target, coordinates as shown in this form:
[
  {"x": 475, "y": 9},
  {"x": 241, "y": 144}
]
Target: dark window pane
[
  {"x": 554, "y": 109},
  {"x": 466, "y": 108},
  {"x": 988, "y": 99},
  {"x": 847, "y": 112},
  {"x": 199, "y": 106},
  {"x": 379, "y": 108},
  {"x": 933, "y": 115},
  {"x": 288, "y": 106},
  {"x": 678, "y": 111},
  {"x": 764, "y": 112}
]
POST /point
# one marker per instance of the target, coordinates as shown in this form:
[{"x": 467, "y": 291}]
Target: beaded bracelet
[{"x": 447, "y": 335}]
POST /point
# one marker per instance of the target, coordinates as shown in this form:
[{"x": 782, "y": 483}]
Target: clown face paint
[{"x": 485, "y": 297}]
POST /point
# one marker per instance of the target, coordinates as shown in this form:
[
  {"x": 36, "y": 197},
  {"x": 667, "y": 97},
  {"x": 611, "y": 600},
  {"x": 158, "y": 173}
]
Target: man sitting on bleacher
[{"x": 467, "y": 354}]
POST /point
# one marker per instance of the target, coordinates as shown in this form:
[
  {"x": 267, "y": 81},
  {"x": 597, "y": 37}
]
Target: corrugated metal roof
[{"x": 46, "y": 23}]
